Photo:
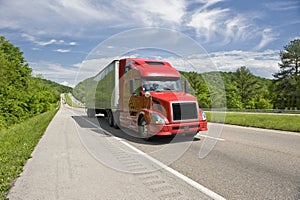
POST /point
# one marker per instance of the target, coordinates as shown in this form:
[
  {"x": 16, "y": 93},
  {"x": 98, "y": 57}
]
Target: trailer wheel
[
  {"x": 110, "y": 118},
  {"x": 143, "y": 129}
]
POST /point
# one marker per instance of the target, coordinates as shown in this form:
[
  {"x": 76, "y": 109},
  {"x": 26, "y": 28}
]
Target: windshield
[{"x": 163, "y": 84}]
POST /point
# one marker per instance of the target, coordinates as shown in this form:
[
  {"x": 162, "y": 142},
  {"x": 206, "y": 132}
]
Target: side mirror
[{"x": 186, "y": 86}]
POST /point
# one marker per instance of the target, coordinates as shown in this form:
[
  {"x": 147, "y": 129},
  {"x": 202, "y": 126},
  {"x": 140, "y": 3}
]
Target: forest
[
  {"x": 231, "y": 90},
  {"x": 22, "y": 95}
]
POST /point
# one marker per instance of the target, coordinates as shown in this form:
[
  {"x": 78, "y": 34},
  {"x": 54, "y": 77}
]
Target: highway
[{"x": 227, "y": 162}]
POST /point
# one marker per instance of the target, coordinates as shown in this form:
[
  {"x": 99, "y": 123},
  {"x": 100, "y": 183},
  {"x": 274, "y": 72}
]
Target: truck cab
[{"x": 153, "y": 100}]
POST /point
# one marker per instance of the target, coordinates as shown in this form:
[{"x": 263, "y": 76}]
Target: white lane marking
[
  {"x": 220, "y": 139},
  {"x": 186, "y": 179}
]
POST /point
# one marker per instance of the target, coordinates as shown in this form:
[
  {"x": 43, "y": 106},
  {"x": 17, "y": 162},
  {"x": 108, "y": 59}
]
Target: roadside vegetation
[
  {"x": 283, "y": 122},
  {"x": 16, "y": 146}
]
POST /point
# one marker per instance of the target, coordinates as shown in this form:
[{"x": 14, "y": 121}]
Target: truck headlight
[
  {"x": 157, "y": 119},
  {"x": 203, "y": 115}
]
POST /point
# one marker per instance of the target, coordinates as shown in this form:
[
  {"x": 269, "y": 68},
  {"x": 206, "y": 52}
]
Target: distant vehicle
[{"x": 147, "y": 96}]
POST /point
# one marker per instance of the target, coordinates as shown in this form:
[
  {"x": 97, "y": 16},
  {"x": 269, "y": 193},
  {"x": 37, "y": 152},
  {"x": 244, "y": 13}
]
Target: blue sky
[{"x": 58, "y": 37}]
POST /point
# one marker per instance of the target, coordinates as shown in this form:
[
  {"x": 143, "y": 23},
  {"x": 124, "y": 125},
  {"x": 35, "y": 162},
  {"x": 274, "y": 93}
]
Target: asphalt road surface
[{"x": 84, "y": 158}]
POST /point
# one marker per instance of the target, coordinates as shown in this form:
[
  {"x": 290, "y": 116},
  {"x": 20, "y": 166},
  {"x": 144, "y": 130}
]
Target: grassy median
[
  {"x": 283, "y": 122},
  {"x": 16, "y": 146}
]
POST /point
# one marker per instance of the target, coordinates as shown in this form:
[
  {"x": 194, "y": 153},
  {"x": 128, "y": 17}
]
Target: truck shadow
[
  {"x": 134, "y": 136},
  {"x": 99, "y": 123}
]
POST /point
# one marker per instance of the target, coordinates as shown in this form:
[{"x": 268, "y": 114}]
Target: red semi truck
[{"x": 147, "y": 96}]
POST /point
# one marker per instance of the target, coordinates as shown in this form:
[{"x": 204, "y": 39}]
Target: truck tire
[
  {"x": 91, "y": 112},
  {"x": 110, "y": 118},
  {"x": 116, "y": 116},
  {"x": 143, "y": 129}
]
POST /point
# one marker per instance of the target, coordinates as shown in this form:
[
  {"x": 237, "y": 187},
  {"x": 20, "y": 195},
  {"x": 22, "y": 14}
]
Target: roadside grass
[
  {"x": 16, "y": 145},
  {"x": 267, "y": 121},
  {"x": 71, "y": 103}
]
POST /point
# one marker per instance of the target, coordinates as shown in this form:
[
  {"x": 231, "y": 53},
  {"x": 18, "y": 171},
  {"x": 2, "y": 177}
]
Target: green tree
[
  {"x": 199, "y": 87},
  {"x": 21, "y": 95},
  {"x": 287, "y": 79},
  {"x": 246, "y": 84},
  {"x": 216, "y": 89},
  {"x": 14, "y": 76},
  {"x": 18, "y": 71},
  {"x": 233, "y": 98}
]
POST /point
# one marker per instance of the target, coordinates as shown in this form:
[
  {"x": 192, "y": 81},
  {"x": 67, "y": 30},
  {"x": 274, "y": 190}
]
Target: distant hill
[{"x": 57, "y": 87}]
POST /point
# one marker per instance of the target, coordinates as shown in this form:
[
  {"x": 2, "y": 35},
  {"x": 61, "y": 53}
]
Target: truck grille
[{"x": 184, "y": 111}]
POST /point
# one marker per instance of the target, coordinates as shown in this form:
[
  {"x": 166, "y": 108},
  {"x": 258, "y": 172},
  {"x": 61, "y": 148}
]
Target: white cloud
[
  {"x": 46, "y": 43},
  {"x": 54, "y": 71},
  {"x": 52, "y": 41},
  {"x": 72, "y": 43},
  {"x": 283, "y": 5},
  {"x": 222, "y": 25},
  {"x": 80, "y": 10},
  {"x": 62, "y": 50},
  {"x": 238, "y": 28},
  {"x": 267, "y": 37},
  {"x": 53, "y": 17},
  {"x": 90, "y": 67},
  {"x": 262, "y": 64},
  {"x": 80, "y": 18},
  {"x": 207, "y": 23},
  {"x": 36, "y": 41},
  {"x": 156, "y": 12},
  {"x": 66, "y": 83}
]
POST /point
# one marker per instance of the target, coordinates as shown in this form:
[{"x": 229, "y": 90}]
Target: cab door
[{"x": 130, "y": 104}]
